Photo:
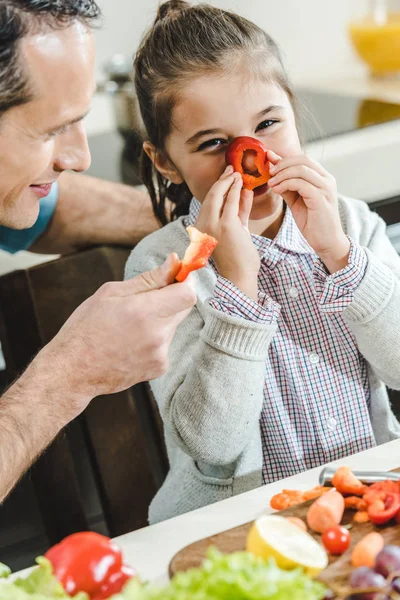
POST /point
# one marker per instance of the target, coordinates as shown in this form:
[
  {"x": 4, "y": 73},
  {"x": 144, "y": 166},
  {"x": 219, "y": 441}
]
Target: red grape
[
  {"x": 395, "y": 585},
  {"x": 388, "y": 560},
  {"x": 364, "y": 578}
]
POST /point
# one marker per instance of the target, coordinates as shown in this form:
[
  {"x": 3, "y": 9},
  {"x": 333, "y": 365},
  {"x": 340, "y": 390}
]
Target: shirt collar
[{"x": 288, "y": 238}]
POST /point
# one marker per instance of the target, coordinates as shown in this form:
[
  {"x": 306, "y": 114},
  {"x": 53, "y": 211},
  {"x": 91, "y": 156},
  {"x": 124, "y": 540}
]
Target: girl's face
[{"x": 211, "y": 113}]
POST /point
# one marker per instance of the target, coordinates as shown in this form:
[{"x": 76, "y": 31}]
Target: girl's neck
[{"x": 269, "y": 226}]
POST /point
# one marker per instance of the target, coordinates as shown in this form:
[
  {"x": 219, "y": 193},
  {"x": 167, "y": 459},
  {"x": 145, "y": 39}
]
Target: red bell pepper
[
  {"x": 383, "y": 507},
  {"x": 89, "y": 562},
  {"x": 248, "y": 157},
  {"x": 197, "y": 253},
  {"x": 115, "y": 583}
]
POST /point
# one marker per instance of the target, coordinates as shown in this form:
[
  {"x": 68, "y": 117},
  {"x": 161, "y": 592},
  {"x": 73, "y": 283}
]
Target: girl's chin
[{"x": 265, "y": 203}]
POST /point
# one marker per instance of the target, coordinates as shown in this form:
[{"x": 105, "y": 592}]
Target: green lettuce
[
  {"x": 237, "y": 576},
  {"x": 40, "y": 584}
]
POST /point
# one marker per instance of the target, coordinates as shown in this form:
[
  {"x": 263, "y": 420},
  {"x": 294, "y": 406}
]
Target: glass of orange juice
[{"x": 376, "y": 37}]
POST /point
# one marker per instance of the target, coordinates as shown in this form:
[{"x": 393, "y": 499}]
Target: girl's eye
[
  {"x": 215, "y": 143},
  {"x": 266, "y": 124}
]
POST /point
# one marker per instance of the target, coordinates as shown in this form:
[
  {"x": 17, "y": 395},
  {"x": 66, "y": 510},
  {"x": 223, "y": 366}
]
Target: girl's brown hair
[{"x": 186, "y": 42}]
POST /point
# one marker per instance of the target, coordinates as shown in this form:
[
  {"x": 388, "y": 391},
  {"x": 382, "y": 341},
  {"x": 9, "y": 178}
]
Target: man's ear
[{"x": 162, "y": 163}]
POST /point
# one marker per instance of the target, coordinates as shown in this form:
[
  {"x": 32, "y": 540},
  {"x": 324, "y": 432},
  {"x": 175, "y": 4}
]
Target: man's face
[{"x": 41, "y": 139}]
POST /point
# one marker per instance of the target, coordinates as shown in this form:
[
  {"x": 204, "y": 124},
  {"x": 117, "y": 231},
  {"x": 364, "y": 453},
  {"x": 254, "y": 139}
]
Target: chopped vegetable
[
  {"x": 297, "y": 521},
  {"x": 336, "y": 539},
  {"x": 316, "y": 492},
  {"x": 354, "y": 502},
  {"x": 284, "y": 500},
  {"x": 326, "y": 511},
  {"x": 197, "y": 253},
  {"x": 288, "y": 498},
  {"x": 382, "y": 510},
  {"x": 361, "y": 516},
  {"x": 346, "y": 483},
  {"x": 367, "y": 549}
]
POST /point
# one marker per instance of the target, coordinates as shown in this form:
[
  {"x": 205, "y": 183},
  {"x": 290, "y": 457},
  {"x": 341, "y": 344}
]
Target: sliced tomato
[
  {"x": 197, "y": 253},
  {"x": 381, "y": 510}
]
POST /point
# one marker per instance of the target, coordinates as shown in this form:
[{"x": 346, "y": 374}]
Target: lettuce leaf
[
  {"x": 237, "y": 576},
  {"x": 40, "y": 584}
]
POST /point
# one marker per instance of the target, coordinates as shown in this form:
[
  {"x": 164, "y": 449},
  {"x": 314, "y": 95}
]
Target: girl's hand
[
  {"x": 225, "y": 215},
  {"x": 310, "y": 192}
]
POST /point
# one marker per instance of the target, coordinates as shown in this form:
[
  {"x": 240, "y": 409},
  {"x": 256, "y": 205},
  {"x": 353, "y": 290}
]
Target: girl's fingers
[
  {"x": 309, "y": 193},
  {"x": 299, "y": 172},
  {"x": 215, "y": 198},
  {"x": 245, "y": 206},
  {"x": 296, "y": 160},
  {"x": 231, "y": 206},
  {"x": 273, "y": 157}
]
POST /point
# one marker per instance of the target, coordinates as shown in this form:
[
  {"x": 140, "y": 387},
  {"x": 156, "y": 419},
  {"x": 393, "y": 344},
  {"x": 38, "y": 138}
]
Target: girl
[{"x": 282, "y": 364}]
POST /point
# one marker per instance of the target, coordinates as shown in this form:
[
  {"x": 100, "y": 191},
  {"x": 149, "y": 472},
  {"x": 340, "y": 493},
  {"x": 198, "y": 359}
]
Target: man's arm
[
  {"x": 116, "y": 338},
  {"x": 32, "y": 412},
  {"x": 92, "y": 212}
]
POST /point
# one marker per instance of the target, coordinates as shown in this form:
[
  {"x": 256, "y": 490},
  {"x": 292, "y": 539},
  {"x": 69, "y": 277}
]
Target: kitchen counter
[{"x": 151, "y": 549}]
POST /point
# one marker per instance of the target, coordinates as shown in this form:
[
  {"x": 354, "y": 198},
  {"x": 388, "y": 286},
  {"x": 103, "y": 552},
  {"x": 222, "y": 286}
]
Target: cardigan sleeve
[{"x": 373, "y": 316}]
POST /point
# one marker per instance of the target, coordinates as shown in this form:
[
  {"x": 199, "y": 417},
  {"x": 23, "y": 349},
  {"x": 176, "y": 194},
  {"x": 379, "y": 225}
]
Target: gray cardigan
[{"x": 211, "y": 398}]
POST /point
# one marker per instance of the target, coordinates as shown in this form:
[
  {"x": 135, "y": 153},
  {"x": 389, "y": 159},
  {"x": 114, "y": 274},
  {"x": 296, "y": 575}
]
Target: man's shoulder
[{"x": 153, "y": 250}]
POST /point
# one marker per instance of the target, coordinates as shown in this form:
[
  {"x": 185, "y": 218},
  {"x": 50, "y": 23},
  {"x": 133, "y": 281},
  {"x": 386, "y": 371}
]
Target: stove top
[{"x": 324, "y": 115}]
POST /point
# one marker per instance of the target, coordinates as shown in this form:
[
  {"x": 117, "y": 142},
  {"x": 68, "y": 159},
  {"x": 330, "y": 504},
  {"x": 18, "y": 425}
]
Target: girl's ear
[{"x": 162, "y": 163}]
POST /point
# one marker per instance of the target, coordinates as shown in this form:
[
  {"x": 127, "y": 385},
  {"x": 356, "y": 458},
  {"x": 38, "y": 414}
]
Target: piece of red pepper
[
  {"x": 87, "y": 562},
  {"x": 197, "y": 253},
  {"x": 244, "y": 150},
  {"x": 383, "y": 507}
]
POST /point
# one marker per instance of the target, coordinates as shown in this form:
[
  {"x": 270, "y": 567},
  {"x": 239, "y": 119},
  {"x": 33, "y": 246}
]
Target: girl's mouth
[{"x": 261, "y": 189}]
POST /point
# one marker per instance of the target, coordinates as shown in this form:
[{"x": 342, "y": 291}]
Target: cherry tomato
[{"x": 336, "y": 540}]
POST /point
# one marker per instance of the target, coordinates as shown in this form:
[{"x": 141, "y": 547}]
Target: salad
[{"x": 239, "y": 576}]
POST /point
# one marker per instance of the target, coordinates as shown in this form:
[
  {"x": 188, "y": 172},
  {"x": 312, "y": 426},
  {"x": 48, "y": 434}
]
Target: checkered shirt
[{"x": 316, "y": 391}]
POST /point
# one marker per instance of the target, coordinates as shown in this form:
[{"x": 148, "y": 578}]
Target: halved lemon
[{"x": 274, "y": 536}]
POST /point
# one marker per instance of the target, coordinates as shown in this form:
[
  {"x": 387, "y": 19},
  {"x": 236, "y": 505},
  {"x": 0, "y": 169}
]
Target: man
[
  {"x": 82, "y": 211},
  {"x": 119, "y": 336}
]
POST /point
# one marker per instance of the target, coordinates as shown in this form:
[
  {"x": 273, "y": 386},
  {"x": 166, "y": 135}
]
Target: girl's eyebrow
[
  {"x": 269, "y": 109},
  {"x": 203, "y": 132}
]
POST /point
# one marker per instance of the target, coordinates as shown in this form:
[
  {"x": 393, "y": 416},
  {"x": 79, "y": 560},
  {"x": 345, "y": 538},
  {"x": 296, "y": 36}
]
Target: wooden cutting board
[{"x": 233, "y": 540}]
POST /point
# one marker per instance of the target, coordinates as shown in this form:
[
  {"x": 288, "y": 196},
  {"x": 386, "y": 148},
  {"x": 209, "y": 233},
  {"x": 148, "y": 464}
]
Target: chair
[{"x": 122, "y": 433}]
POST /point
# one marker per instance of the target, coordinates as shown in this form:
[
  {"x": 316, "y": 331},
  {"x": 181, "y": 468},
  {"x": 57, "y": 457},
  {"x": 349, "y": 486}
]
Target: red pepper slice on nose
[
  {"x": 248, "y": 157},
  {"x": 197, "y": 253}
]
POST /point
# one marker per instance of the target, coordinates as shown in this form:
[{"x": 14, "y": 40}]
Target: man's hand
[
  {"x": 118, "y": 337},
  {"x": 121, "y": 335}
]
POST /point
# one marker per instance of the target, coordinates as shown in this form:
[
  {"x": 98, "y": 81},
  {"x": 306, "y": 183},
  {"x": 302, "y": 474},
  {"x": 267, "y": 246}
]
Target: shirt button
[
  {"x": 294, "y": 292},
  {"x": 331, "y": 423},
  {"x": 313, "y": 358}
]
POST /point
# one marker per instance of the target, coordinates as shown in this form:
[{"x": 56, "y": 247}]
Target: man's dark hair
[{"x": 19, "y": 18}]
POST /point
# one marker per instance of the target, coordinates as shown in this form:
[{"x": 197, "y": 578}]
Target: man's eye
[
  {"x": 53, "y": 134},
  {"x": 211, "y": 144},
  {"x": 266, "y": 124}
]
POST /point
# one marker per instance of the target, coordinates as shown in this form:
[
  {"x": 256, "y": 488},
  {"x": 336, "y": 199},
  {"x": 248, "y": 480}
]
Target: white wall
[{"x": 311, "y": 33}]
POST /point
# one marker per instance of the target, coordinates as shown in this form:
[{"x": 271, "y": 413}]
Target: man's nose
[{"x": 72, "y": 150}]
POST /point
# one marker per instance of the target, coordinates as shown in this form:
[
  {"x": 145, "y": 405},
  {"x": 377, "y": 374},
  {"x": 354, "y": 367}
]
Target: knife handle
[{"x": 327, "y": 474}]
